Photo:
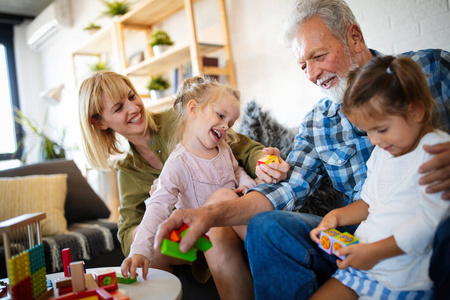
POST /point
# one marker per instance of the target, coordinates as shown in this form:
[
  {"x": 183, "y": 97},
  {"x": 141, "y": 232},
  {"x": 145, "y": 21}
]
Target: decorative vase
[
  {"x": 158, "y": 49},
  {"x": 156, "y": 94}
]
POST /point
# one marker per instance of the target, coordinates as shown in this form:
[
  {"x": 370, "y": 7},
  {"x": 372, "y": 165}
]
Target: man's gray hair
[{"x": 336, "y": 14}]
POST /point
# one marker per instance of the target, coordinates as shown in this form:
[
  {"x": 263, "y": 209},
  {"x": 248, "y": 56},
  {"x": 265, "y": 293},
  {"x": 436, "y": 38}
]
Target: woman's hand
[
  {"x": 131, "y": 263},
  {"x": 437, "y": 170},
  {"x": 275, "y": 172},
  {"x": 330, "y": 221}
]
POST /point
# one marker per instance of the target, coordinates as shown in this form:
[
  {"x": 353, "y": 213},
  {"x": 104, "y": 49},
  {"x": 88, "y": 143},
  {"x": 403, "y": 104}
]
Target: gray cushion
[{"x": 82, "y": 203}]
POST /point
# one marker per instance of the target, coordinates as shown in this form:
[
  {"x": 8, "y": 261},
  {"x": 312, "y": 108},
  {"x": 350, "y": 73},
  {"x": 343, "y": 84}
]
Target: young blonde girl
[
  {"x": 390, "y": 100},
  {"x": 200, "y": 164}
]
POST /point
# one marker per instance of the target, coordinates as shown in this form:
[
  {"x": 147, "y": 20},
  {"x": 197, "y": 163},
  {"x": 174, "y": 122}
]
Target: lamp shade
[{"x": 52, "y": 96}]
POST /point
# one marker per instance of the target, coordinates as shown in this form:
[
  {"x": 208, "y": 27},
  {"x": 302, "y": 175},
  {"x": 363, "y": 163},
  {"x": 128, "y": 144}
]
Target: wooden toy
[
  {"x": 77, "y": 274},
  {"x": 106, "y": 279},
  {"x": 172, "y": 247},
  {"x": 268, "y": 159},
  {"x": 326, "y": 240},
  {"x": 26, "y": 269},
  {"x": 67, "y": 259}
]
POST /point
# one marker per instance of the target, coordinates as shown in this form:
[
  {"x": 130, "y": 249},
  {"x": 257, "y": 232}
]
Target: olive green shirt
[{"x": 136, "y": 176}]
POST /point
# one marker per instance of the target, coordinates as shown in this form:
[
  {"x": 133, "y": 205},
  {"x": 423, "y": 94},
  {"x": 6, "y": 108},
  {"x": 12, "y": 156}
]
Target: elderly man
[{"x": 285, "y": 263}]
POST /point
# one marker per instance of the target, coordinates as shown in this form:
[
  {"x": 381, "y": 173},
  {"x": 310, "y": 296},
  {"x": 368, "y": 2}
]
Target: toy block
[
  {"x": 106, "y": 279},
  {"x": 175, "y": 236},
  {"x": 3, "y": 291},
  {"x": 326, "y": 240},
  {"x": 91, "y": 284},
  {"x": 95, "y": 297},
  {"x": 343, "y": 240},
  {"x": 173, "y": 249},
  {"x": 63, "y": 282},
  {"x": 183, "y": 228},
  {"x": 77, "y": 274},
  {"x": 65, "y": 290},
  {"x": 122, "y": 280},
  {"x": 119, "y": 296},
  {"x": 67, "y": 259},
  {"x": 268, "y": 159},
  {"x": 104, "y": 295},
  {"x": 203, "y": 243},
  {"x": 47, "y": 294}
]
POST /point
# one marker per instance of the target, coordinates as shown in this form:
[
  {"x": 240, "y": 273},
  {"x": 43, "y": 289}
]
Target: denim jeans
[
  {"x": 440, "y": 261},
  {"x": 284, "y": 261}
]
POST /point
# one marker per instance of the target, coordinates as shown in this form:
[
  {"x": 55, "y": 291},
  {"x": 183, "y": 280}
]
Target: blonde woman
[{"x": 109, "y": 105}]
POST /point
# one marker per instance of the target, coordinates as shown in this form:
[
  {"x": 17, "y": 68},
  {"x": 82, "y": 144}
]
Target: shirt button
[
  {"x": 151, "y": 142},
  {"x": 159, "y": 151},
  {"x": 340, "y": 161}
]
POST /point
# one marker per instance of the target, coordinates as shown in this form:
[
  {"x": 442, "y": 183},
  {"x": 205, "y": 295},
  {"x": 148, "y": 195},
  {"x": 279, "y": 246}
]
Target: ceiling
[{"x": 29, "y": 8}]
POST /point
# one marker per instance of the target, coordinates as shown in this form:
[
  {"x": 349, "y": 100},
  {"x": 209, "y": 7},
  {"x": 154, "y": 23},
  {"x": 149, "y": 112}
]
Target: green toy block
[
  {"x": 173, "y": 249},
  {"x": 122, "y": 280},
  {"x": 203, "y": 244}
]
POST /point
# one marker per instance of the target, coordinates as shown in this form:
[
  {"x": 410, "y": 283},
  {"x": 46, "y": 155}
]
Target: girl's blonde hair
[
  {"x": 205, "y": 91},
  {"x": 99, "y": 145},
  {"x": 395, "y": 82}
]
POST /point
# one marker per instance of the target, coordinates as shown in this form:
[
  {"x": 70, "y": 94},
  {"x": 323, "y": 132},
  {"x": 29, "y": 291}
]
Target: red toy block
[
  {"x": 104, "y": 295},
  {"x": 65, "y": 290},
  {"x": 175, "y": 236},
  {"x": 119, "y": 296},
  {"x": 67, "y": 259},
  {"x": 106, "y": 279}
]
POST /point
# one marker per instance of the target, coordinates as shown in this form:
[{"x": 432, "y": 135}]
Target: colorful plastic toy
[
  {"x": 332, "y": 240},
  {"x": 268, "y": 159},
  {"x": 26, "y": 270},
  {"x": 122, "y": 280},
  {"x": 172, "y": 247}
]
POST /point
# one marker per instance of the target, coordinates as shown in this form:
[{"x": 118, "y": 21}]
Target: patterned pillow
[{"x": 36, "y": 193}]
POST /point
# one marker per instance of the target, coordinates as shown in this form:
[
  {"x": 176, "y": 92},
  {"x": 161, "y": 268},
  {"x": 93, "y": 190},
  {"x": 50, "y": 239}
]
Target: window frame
[{"x": 7, "y": 39}]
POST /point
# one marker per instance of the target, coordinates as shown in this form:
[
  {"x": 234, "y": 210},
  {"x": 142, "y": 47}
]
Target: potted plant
[
  {"x": 116, "y": 7},
  {"x": 92, "y": 28},
  {"x": 100, "y": 66},
  {"x": 48, "y": 148},
  {"x": 159, "y": 41},
  {"x": 157, "y": 87}
]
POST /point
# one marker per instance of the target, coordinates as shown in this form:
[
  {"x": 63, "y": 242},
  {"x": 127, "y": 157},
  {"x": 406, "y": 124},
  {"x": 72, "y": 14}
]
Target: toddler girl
[
  {"x": 200, "y": 164},
  {"x": 390, "y": 100}
]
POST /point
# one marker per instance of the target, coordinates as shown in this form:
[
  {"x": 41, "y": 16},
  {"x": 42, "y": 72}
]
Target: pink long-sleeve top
[{"x": 186, "y": 181}]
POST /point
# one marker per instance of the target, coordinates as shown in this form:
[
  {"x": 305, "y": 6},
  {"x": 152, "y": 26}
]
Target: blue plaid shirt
[{"x": 328, "y": 143}]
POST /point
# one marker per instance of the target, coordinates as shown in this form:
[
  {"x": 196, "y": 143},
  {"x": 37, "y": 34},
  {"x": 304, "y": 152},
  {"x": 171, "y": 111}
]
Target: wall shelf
[{"x": 112, "y": 40}]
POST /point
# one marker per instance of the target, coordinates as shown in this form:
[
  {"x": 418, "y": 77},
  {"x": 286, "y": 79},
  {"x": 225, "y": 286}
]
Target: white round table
[{"x": 159, "y": 284}]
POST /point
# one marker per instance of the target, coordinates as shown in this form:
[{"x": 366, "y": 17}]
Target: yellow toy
[
  {"x": 332, "y": 240},
  {"x": 268, "y": 159}
]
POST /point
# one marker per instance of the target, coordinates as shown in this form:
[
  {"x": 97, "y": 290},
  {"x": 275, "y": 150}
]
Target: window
[{"x": 11, "y": 132}]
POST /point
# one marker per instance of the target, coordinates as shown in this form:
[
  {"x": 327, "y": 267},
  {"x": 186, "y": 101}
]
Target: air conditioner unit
[{"x": 48, "y": 23}]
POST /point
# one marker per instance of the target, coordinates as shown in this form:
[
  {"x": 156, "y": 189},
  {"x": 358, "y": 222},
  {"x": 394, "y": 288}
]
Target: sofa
[{"x": 76, "y": 217}]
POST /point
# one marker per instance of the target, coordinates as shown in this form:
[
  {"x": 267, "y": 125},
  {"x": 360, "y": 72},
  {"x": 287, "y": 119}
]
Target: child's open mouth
[{"x": 217, "y": 134}]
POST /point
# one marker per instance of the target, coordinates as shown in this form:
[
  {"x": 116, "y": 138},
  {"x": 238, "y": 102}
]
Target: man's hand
[
  {"x": 199, "y": 221},
  {"x": 275, "y": 171},
  {"x": 437, "y": 170},
  {"x": 131, "y": 263}
]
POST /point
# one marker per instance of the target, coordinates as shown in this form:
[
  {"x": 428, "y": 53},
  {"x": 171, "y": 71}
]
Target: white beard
[{"x": 336, "y": 92}]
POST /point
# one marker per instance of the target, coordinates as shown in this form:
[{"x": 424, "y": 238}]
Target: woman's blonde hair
[
  {"x": 205, "y": 91},
  {"x": 99, "y": 145}
]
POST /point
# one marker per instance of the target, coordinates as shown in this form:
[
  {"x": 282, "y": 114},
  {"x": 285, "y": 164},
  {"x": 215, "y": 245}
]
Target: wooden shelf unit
[{"x": 144, "y": 16}]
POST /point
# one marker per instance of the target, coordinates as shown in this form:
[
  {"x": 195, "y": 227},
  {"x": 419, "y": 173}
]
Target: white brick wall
[{"x": 268, "y": 72}]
